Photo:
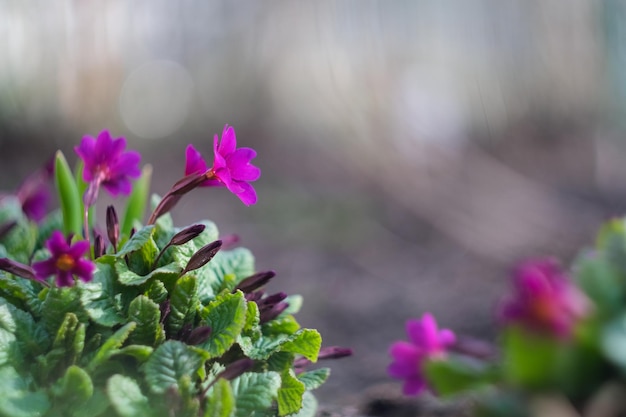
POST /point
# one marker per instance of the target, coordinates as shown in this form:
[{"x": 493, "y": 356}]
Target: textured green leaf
[
  {"x": 156, "y": 291},
  {"x": 168, "y": 363},
  {"x": 139, "y": 239},
  {"x": 111, "y": 345},
  {"x": 295, "y": 304},
  {"x": 280, "y": 362},
  {"x": 305, "y": 342},
  {"x": 226, "y": 316},
  {"x": 139, "y": 352},
  {"x": 126, "y": 397},
  {"x": 290, "y": 394},
  {"x": 309, "y": 406},
  {"x": 127, "y": 277},
  {"x": 8, "y": 348},
  {"x": 147, "y": 315},
  {"x": 315, "y": 378},
  {"x": 69, "y": 199},
  {"x": 21, "y": 292},
  {"x": 70, "y": 338},
  {"x": 95, "y": 406},
  {"x": 220, "y": 401},
  {"x": 285, "y": 324},
  {"x": 100, "y": 297},
  {"x": 140, "y": 261},
  {"x": 182, "y": 304},
  {"x": 58, "y": 302},
  {"x": 530, "y": 360},
  {"x": 20, "y": 242},
  {"x": 74, "y": 388},
  {"x": 214, "y": 276},
  {"x": 136, "y": 205},
  {"x": 17, "y": 400},
  {"x": 255, "y": 392}
]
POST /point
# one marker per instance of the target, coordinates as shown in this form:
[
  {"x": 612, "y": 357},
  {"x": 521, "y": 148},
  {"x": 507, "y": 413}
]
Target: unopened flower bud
[
  {"x": 199, "y": 335},
  {"x": 186, "y": 235},
  {"x": 16, "y": 268},
  {"x": 272, "y": 312},
  {"x": 255, "y": 281},
  {"x": 203, "y": 256},
  {"x": 113, "y": 227},
  {"x": 236, "y": 369},
  {"x": 98, "y": 246}
]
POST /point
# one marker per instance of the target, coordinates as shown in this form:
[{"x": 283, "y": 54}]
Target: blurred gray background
[{"x": 412, "y": 151}]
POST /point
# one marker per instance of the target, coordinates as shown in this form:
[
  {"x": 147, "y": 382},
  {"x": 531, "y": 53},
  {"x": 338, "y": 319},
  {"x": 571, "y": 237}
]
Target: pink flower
[
  {"x": 66, "y": 261},
  {"x": 107, "y": 164},
  {"x": 231, "y": 166},
  {"x": 544, "y": 299},
  {"x": 426, "y": 342}
]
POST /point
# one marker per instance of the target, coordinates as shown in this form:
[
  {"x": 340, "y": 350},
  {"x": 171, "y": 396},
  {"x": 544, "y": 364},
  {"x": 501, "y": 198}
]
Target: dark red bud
[
  {"x": 334, "y": 352},
  {"x": 186, "y": 235},
  {"x": 203, "y": 256},
  {"x": 255, "y": 281},
  {"x": 99, "y": 247},
  {"x": 132, "y": 232},
  {"x": 16, "y": 268},
  {"x": 113, "y": 226},
  {"x": 271, "y": 313},
  {"x": 199, "y": 335},
  {"x": 236, "y": 369},
  {"x": 174, "y": 195},
  {"x": 271, "y": 300},
  {"x": 255, "y": 296}
]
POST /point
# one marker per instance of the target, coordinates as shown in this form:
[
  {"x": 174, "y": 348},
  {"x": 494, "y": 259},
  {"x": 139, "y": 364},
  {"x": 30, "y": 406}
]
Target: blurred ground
[{"x": 412, "y": 152}]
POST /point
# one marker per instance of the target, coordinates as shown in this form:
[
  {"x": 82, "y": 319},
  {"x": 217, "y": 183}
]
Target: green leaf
[
  {"x": 600, "y": 280},
  {"x": 295, "y": 304},
  {"x": 59, "y": 302},
  {"x": 140, "y": 261},
  {"x": 182, "y": 304},
  {"x": 111, "y": 346},
  {"x": 20, "y": 242},
  {"x": 285, "y": 324},
  {"x": 130, "y": 278},
  {"x": 70, "y": 338},
  {"x": 169, "y": 362},
  {"x": 255, "y": 392},
  {"x": 139, "y": 239},
  {"x": 74, "y": 389},
  {"x": 220, "y": 401},
  {"x": 315, "y": 378},
  {"x": 147, "y": 315},
  {"x": 530, "y": 359},
  {"x": 280, "y": 362},
  {"x": 95, "y": 406},
  {"x": 309, "y": 406},
  {"x": 100, "y": 297},
  {"x": 69, "y": 198},
  {"x": 17, "y": 399},
  {"x": 455, "y": 375},
  {"x": 139, "y": 352},
  {"x": 226, "y": 316},
  {"x": 290, "y": 394},
  {"x": 156, "y": 291},
  {"x": 614, "y": 342},
  {"x": 127, "y": 398},
  {"x": 136, "y": 205},
  {"x": 8, "y": 348},
  {"x": 305, "y": 342},
  {"x": 224, "y": 271}
]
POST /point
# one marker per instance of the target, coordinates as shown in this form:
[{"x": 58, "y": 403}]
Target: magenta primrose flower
[
  {"x": 107, "y": 164},
  {"x": 231, "y": 166},
  {"x": 426, "y": 343},
  {"x": 544, "y": 299},
  {"x": 66, "y": 261}
]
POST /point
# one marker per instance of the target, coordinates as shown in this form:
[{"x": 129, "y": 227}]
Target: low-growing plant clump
[{"x": 143, "y": 320}]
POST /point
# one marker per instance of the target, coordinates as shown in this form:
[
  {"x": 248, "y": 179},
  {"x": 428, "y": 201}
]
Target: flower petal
[
  {"x": 78, "y": 249},
  {"x": 57, "y": 244},
  {"x": 248, "y": 195},
  {"x": 423, "y": 332},
  {"x": 118, "y": 186},
  {"x": 414, "y": 386},
  {"x": 84, "y": 270},
  {"x": 240, "y": 167},
  {"x": 229, "y": 141},
  {"x": 44, "y": 269},
  {"x": 194, "y": 163},
  {"x": 64, "y": 279}
]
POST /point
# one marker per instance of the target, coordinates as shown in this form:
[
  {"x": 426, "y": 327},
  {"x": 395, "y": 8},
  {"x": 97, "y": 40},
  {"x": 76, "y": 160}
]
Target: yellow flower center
[{"x": 65, "y": 262}]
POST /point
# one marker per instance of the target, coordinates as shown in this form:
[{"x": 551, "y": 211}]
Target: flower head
[
  {"x": 66, "y": 261},
  {"x": 426, "y": 342},
  {"x": 231, "y": 166},
  {"x": 544, "y": 299},
  {"x": 107, "y": 164}
]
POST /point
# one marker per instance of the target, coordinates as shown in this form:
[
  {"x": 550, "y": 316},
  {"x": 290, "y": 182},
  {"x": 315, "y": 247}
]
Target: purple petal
[
  {"x": 86, "y": 151},
  {"x": 423, "y": 332},
  {"x": 446, "y": 338},
  {"x": 117, "y": 147},
  {"x": 119, "y": 186},
  {"x": 405, "y": 352},
  {"x": 240, "y": 167},
  {"x": 400, "y": 370},
  {"x": 248, "y": 195},
  {"x": 126, "y": 164},
  {"x": 78, "y": 249},
  {"x": 228, "y": 142},
  {"x": 194, "y": 163},
  {"x": 104, "y": 146},
  {"x": 64, "y": 279},
  {"x": 84, "y": 270},
  {"x": 414, "y": 386},
  {"x": 57, "y": 244},
  {"x": 45, "y": 268}
]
